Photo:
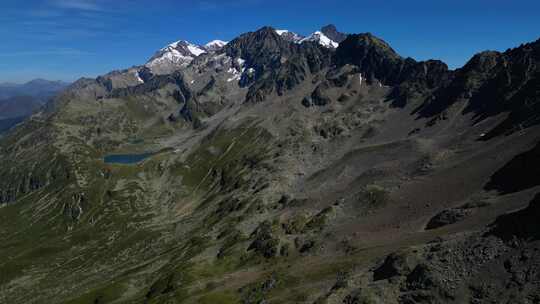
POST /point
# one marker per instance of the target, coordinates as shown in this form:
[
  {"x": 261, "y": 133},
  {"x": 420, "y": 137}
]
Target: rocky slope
[{"x": 273, "y": 171}]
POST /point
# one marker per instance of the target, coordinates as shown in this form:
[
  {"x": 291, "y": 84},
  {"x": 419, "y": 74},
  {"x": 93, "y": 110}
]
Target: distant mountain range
[
  {"x": 36, "y": 88},
  {"x": 18, "y": 101}
]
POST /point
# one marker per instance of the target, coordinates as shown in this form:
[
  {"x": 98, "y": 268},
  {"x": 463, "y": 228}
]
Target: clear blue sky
[{"x": 68, "y": 39}]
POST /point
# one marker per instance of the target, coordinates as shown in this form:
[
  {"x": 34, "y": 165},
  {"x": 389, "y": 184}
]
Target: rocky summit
[{"x": 276, "y": 168}]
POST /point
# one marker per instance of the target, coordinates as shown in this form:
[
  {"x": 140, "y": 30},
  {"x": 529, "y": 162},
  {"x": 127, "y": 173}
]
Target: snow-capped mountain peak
[
  {"x": 288, "y": 35},
  {"x": 183, "y": 45},
  {"x": 281, "y": 32},
  {"x": 175, "y": 55},
  {"x": 322, "y": 39},
  {"x": 215, "y": 45},
  {"x": 218, "y": 43},
  {"x": 180, "y": 54}
]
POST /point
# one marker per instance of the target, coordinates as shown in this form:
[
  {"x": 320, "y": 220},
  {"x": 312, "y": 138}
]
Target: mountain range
[
  {"x": 36, "y": 88},
  {"x": 276, "y": 168},
  {"x": 18, "y": 101}
]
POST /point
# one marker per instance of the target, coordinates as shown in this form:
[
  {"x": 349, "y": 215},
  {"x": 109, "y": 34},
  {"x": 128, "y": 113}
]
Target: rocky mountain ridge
[{"x": 180, "y": 54}]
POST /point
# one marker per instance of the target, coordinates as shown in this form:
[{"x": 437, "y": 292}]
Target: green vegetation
[
  {"x": 227, "y": 154},
  {"x": 296, "y": 224},
  {"x": 319, "y": 221},
  {"x": 219, "y": 298},
  {"x": 265, "y": 240},
  {"x": 106, "y": 294},
  {"x": 373, "y": 196}
]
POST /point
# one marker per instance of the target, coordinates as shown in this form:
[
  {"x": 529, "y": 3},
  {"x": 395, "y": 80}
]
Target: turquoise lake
[{"x": 126, "y": 159}]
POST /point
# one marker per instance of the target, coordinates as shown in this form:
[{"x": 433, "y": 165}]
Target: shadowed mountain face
[
  {"x": 518, "y": 174},
  {"x": 19, "y": 106},
  {"x": 19, "y": 101},
  {"x": 331, "y": 32},
  {"x": 8, "y": 123},
  {"x": 380, "y": 63},
  {"x": 278, "y": 170},
  {"x": 493, "y": 83},
  {"x": 15, "y": 109},
  {"x": 521, "y": 224}
]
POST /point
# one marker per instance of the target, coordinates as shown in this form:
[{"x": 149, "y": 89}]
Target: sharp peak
[
  {"x": 368, "y": 41},
  {"x": 329, "y": 27},
  {"x": 182, "y": 41},
  {"x": 264, "y": 32},
  {"x": 216, "y": 41},
  {"x": 267, "y": 31},
  {"x": 368, "y": 37},
  {"x": 266, "y": 28}
]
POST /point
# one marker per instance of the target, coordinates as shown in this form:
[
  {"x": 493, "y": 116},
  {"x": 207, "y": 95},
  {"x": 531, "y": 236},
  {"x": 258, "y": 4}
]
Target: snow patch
[
  {"x": 235, "y": 77},
  {"x": 192, "y": 48},
  {"x": 322, "y": 39},
  {"x": 195, "y": 50},
  {"x": 237, "y": 74},
  {"x": 172, "y": 45},
  {"x": 179, "y": 53},
  {"x": 139, "y": 79},
  {"x": 294, "y": 37},
  {"x": 172, "y": 56},
  {"x": 240, "y": 61},
  {"x": 216, "y": 43}
]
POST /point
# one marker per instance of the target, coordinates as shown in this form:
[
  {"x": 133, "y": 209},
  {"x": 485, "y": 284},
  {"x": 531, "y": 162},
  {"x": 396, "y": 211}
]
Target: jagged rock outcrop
[
  {"x": 332, "y": 32},
  {"x": 492, "y": 83},
  {"x": 278, "y": 65}
]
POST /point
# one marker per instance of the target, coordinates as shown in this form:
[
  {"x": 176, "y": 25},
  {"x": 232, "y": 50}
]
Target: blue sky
[{"x": 68, "y": 39}]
